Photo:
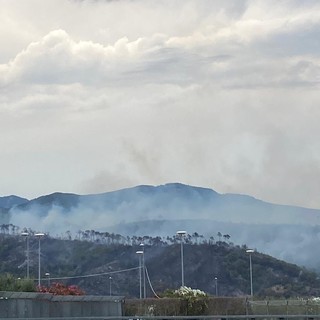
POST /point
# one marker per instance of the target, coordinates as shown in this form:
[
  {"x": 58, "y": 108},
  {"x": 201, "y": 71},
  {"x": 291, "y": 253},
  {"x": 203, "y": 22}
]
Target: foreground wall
[
  {"x": 36, "y": 305},
  {"x": 223, "y": 306},
  {"x": 180, "y": 307}
]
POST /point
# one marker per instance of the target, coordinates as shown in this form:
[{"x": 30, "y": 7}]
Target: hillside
[
  {"x": 161, "y": 210},
  {"x": 204, "y": 260},
  {"x": 11, "y": 201},
  {"x": 170, "y": 201}
]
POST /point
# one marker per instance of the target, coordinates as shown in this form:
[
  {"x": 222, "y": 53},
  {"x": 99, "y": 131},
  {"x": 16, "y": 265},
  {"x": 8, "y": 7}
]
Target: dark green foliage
[
  {"x": 110, "y": 254},
  {"x": 9, "y": 283}
]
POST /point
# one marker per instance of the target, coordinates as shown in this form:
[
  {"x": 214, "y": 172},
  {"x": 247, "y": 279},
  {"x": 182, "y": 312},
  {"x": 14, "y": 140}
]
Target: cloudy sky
[{"x": 101, "y": 95}]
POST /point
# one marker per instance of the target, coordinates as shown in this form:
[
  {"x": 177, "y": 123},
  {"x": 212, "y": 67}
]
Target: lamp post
[
  {"x": 144, "y": 271},
  {"x": 250, "y": 251},
  {"x": 110, "y": 282},
  {"x": 26, "y": 234},
  {"x": 47, "y": 274},
  {"x": 182, "y": 234},
  {"x": 216, "y": 285},
  {"x": 39, "y": 235},
  {"x": 140, "y": 253}
]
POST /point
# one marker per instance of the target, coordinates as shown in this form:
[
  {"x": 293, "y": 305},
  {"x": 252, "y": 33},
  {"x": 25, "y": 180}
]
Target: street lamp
[
  {"x": 140, "y": 253},
  {"x": 144, "y": 271},
  {"x": 250, "y": 251},
  {"x": 110, "y": 281},
  {"x": 26, "y": 234},
  {"x": 39, "y": 235},
  {"x": 216, "y": 285},
  {"x": 47, "y": 274},
  {"x": 182, "y": 234}
]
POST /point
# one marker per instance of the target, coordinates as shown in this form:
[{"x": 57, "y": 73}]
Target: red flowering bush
[{"x": 61, "y": 289}]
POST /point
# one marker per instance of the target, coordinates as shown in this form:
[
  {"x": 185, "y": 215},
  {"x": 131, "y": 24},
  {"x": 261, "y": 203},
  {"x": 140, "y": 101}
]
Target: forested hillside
[{"x": 95, "y": 261}]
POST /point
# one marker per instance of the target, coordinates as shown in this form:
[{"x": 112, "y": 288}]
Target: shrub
[
  {"x": 9, "y": 283},
  {"x": 193, "y": 301},
  {"x": 61, "y": 289}
]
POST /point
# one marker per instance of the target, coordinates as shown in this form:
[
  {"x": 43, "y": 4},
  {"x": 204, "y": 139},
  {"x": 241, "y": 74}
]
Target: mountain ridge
[
  {"x": 147, "y": 189},
  {"x": 8, "y": 202},
  {"x": 233, "y": 213},
  {"x": 167, "y": 201}
]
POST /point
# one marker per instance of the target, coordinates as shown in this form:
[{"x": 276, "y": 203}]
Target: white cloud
[
  {"x": 101, "y": 95},
  {"x": 58, "y": 59}
]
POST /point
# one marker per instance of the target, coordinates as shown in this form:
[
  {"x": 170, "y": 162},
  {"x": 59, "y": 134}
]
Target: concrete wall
[{"x": 36, "y": 305}]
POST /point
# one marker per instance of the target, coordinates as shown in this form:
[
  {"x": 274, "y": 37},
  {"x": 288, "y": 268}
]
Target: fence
[
  {"x": 223, "y": 306},
  {"x": 216, "y": 317},
  {"x": 308, "y": 307},
  {"x": 181, "y": 307},
  {"x": 21, "y": 305}
]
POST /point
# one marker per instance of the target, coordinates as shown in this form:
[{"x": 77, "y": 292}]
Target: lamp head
[
  {"x": 39, "y": 234},
  {"x": 249, "y": 251}
]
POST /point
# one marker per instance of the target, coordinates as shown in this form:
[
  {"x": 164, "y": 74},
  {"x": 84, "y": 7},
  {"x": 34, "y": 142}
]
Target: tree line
[{"x": 110, "y": 238}]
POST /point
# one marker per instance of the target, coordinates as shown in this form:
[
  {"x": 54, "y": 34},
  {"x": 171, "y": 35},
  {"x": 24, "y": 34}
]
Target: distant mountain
[
  {"x": 170, "y": 201},
  {"x": 63, "y": 201},
  {"x": 11, "y": 201},
  {"x": 278, "y": 230},
  {"x": 7, "y": 203}
]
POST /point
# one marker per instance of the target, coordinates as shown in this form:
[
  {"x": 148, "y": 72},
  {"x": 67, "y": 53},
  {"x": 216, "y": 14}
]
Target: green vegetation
[
  {"x": 9, "y": 283},
  {"x": 90, "y": 260}
]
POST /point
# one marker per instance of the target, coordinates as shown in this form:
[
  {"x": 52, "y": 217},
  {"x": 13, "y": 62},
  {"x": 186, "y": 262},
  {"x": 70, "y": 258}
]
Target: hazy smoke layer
[{"x": 285, "y": 232}]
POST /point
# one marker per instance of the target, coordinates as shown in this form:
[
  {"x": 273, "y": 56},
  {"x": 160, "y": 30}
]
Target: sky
[{"x": 101, "y": 95}]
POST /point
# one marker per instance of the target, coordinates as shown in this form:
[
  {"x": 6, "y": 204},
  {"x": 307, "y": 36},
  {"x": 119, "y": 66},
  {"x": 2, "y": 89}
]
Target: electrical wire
[
  {"x": 91, "y": 275},
  {"x": 151, "y": 284}
]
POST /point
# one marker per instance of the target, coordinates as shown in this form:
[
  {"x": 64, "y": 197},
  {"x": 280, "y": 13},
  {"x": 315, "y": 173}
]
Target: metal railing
[{"x": 207, "y": 317}]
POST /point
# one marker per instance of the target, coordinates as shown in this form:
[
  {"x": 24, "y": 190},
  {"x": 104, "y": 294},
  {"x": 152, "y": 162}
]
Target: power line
[
  {"x": 151, "y": 284},
  {"x": 92, "y": 275}
]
